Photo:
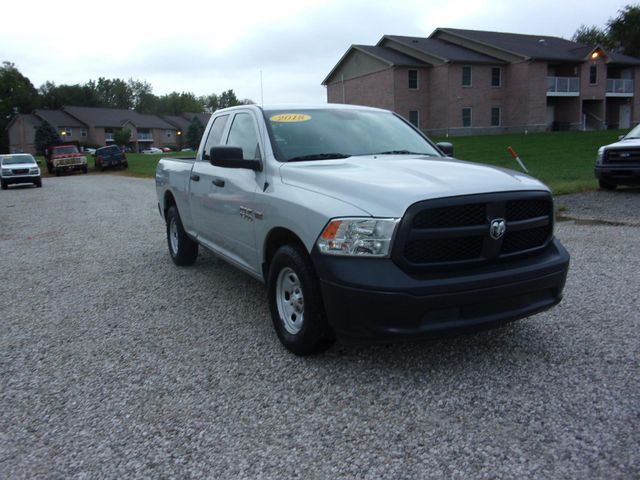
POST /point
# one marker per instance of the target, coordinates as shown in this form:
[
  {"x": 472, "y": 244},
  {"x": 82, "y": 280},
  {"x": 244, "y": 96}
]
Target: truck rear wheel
[
  {"x": 182, "y": 249},
  {"x": 296, "y": 304}
]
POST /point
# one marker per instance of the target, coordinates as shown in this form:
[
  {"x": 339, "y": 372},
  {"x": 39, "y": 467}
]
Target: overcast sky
[{"x": 208, "y": 47}]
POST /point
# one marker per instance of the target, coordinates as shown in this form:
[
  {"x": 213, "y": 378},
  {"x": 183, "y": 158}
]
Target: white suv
[{"x": 19, "y": 168}]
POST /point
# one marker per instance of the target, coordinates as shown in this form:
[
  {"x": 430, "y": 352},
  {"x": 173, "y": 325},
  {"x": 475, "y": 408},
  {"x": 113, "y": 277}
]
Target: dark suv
[{"x": 110, "y": 156}]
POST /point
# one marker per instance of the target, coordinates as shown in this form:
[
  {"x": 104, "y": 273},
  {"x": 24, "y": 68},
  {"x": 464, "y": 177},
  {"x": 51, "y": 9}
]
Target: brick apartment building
[
  {"x": 475, "y": 82},
  {"x": 96, "y": 126}
]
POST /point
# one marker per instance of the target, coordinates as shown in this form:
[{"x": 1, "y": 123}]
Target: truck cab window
[
  {"x": 243, "y": 134},
  {"x": 215, "y": 134}
]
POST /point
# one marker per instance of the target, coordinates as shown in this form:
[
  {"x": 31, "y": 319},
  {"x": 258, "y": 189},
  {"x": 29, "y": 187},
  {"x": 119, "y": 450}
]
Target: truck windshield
[
  {"x": 63, "y": 150},
  {"x": 319, "y": 134},
  {"x": 18, "y": 159}
]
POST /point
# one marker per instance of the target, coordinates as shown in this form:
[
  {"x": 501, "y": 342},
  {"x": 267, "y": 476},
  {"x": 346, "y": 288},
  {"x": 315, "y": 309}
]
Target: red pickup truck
[{"x": 64, "y": 158}]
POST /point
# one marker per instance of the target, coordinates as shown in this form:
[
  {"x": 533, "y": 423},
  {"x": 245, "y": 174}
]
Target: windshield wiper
[
  {"x": 401, "y": 152},
  {"x": 318, "y": 156}
]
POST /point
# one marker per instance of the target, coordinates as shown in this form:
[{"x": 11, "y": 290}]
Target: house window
[
  {"x": 466, "y": 76},
  {"x": 593, "y": 74},
  {"x": 169, "y": 133},
  {"x": 413, "y": 79},
  {"x": 496, "y": 74},
  {"x": 414, "y": 118},
  {"x": 466, "y": 117},
  {"x": 495, "y": 116},
  {"x": 83, "y": 132},
  {"x": 65, "y": 132}
]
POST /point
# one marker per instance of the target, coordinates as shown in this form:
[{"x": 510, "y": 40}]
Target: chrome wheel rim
[
  {"x": 290, "y": 300},
  {"x": 173, "y": 235}
]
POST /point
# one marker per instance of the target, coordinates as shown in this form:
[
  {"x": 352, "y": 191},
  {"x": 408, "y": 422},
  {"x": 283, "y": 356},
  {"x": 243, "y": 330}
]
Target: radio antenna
[{"x": 261, "y": 91}]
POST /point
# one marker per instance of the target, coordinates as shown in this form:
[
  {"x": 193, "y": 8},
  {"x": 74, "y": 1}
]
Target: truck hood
[
  {"x": 19, "y": 166},
  {"x": 386, "y": 186},
  {"x": 629, "y": 143}
]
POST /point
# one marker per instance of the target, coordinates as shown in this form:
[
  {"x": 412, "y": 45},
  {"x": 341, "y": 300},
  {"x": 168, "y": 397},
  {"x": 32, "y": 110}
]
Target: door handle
[
  {"x": 195, "y": 177},
  {"x": 218, "y": 182}
]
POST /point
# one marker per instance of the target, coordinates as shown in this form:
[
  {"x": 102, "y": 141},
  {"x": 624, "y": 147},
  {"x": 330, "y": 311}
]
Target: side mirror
[
  {"x": 446, "y": 148},
  {"x": 620, "y": 137},
  {"x": 231, "y": 157}
]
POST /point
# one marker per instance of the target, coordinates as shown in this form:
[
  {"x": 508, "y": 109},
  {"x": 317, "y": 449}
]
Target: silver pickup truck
[{"x": 361, "y": 227}]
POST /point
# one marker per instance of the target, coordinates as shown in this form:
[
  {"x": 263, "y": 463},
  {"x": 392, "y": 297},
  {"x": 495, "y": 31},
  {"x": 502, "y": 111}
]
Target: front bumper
[
  {"x": 618, "y": 174},
  {"x": 15, "y": 179},
  {"x": 373, "y": 299}
]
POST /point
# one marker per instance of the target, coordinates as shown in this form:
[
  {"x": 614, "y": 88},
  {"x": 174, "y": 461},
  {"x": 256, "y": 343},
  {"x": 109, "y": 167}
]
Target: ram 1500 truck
[{"x": 361, "y": 227}]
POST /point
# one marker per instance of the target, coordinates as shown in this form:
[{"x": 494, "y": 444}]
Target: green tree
[
  {"x": 621, "y": 33},
  {"x": 54, "y": 97},
  {"x": 122, "y": 136},
  {"x": 194, "y": 132},
  {"x": 591, "y": 36},
  {"x": 17, "y": 95},
  {"x": 45, "y": 135},
  {"x": 228, "y": 99},
  {"x": 624, "y": 30},
  {"x": 114, "y": 93}
]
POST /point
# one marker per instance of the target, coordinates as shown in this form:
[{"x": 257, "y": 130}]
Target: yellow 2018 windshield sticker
[{"x": 291, "y": 117}]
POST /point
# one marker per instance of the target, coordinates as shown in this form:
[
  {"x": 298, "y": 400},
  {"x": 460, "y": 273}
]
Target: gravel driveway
[{"x": 115, "y": 363}]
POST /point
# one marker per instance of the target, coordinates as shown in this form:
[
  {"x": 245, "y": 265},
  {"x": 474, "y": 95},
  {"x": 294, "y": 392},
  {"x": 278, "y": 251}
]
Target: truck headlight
[
  {"x": 6, "y": 172},
  {"x": 35, "y": 170},
  {"x": 600, "y": 156},
  {"x": 355, "y": 237}
]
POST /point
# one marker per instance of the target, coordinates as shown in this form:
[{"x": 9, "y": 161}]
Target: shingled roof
[
  {"x": 447, "y": 52},
  {"x": 58, "y": 118},
  {"x": 115, "y": 117},
  {"x": 535, "y": 47}
]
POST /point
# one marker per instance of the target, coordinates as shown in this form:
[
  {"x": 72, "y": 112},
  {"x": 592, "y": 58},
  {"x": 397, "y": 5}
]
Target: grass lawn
[{"x": 562, "y": 160}]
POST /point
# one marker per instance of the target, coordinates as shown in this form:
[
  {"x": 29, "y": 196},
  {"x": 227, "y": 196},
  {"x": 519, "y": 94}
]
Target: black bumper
[
  {"x": 373, "y": 299},
  {"x": 14, "y": 180},
  {"x": 619, "y": 174}
]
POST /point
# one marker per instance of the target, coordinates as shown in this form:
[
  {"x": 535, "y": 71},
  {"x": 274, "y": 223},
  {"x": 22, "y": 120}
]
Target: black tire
[
  {"x": 4, "y": 185},
  {"x": 295, "y": 302},
  {"x": 38, "y": 183},
  {"x": 57, "y": 172},
  {"x": 604, "y": 185},
  {"x": 85, "y": 169},
  {"x": 182, "y": 249},
  {"x": 49, "y": 169}
]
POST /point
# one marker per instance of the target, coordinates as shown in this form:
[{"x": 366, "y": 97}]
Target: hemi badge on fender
[{"x": 258, "y": 215}]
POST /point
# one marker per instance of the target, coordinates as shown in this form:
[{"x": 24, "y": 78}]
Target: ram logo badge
[{"x": 497, "y": 228}]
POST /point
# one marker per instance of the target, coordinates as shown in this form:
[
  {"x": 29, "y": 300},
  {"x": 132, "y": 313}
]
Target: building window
[
  {"x": 169, "y": 133},
  {"x": 466, "y": 117},
  {"x": 496, "y": 74},
  {"x": 83, "y": 132},
  {"x": 593, "y": 74},
  {"x": 466, "y": 76},
  {"x": 495, "y": 117},
  {"x": 413, "y": 79},
  {"x": 414, "y": 118},
  {"x": 65, "y": 132}
]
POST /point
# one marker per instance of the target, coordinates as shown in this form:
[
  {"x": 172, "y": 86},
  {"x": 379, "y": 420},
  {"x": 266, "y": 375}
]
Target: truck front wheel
[
  {"x": 182, "y": 249},
  {"x": 295, "y": 303}
]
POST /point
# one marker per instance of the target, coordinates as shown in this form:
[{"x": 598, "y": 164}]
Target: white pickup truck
[{"x": 361, "y": 228}]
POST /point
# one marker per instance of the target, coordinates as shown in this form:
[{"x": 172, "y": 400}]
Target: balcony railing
[
  {"x": 563, "y": 86},
  {"x": 620, "y": 86},
  {"x": 145, "y": 136}
]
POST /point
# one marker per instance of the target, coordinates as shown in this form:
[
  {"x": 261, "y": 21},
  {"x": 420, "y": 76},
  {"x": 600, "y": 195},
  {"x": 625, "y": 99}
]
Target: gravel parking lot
[{"x": 115, "y": 363}]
